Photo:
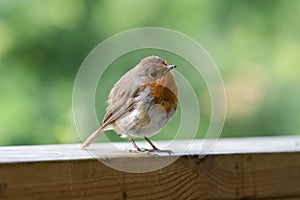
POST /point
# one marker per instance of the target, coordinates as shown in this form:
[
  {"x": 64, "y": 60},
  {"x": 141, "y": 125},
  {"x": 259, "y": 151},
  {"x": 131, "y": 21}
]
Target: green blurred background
[{"x": 255, "y": 44}]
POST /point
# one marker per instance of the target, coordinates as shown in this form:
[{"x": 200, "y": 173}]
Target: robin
[{"x": 141, "y": 103}]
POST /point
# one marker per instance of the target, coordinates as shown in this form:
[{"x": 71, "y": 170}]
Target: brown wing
[{"x": 120, "y": 107}]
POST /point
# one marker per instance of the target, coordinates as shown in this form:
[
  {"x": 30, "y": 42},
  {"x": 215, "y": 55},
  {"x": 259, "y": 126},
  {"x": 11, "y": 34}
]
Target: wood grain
[{"x": 248, "y": 175}]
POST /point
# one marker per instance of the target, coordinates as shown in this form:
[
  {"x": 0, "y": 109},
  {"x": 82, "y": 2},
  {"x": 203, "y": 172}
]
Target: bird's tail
[{"x": 91, "y": 138}]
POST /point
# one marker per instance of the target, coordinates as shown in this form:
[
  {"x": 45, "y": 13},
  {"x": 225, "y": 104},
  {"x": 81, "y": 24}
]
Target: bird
[{"x": 141, "y": 103}]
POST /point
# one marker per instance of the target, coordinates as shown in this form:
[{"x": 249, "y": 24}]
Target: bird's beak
[{"x": 170, "y": 67}]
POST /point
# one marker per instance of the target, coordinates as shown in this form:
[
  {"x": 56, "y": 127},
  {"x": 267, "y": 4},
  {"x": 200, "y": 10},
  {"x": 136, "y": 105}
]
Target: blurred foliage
[{"x": 255, "y": 44}]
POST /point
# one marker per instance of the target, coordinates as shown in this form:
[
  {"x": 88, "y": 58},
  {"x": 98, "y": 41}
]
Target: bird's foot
[{"x": 151, "y": 151}]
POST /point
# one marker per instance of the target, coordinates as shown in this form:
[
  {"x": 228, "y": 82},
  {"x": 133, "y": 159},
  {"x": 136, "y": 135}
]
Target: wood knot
[
  {"x": 124, "y": 196},
  {"x": 3, "y": 186}
]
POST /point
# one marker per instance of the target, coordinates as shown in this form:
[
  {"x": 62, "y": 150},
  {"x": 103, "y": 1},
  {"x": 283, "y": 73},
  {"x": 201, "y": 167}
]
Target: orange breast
[{"x": 162, "y": 95}]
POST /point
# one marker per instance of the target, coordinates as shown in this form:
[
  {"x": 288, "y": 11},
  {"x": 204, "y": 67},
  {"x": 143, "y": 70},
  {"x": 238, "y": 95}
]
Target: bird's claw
[{"x": 151, "y": 151}]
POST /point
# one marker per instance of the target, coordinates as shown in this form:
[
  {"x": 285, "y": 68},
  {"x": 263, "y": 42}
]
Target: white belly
[{"x": 143, "y": 122}]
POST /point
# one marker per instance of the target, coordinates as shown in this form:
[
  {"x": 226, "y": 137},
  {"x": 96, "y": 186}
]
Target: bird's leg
[
  {"x": 137, "y": 149},
  {"x": 155, "y": 149},
  {"x": 152, "y": 145},
  {"x": 135, "y": 145}
]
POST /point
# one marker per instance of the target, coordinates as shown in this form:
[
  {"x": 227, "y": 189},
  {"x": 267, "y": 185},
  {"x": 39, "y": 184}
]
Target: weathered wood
[{"x": 248, "y": 168}]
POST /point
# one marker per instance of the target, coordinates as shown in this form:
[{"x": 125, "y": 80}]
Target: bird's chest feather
[
  {"x": 162, "y": 95},
  {"x": 155, "y": 106}
]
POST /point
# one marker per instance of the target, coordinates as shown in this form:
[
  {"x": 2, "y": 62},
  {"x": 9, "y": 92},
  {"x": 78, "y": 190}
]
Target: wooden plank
[
  {"x": 105, "y": 150},
  {"x": 55, "y": 172}
]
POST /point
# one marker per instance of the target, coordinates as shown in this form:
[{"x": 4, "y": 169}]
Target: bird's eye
[{"x": 153, "y": 74}]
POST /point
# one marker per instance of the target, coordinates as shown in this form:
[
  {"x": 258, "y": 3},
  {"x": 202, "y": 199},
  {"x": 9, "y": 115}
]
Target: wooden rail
[{"x": 244, "y": 168}]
